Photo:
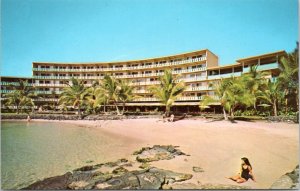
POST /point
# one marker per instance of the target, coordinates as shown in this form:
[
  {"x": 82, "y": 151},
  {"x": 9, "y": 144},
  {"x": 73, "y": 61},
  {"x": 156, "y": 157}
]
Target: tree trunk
[
  {"x": 104, "y": 107},
  {"x": 17, "y": 109},
  {"x": 225, "y": 115},
  {"x": 286, "y": 101},
  {"x": 79, "y": 113},
  {"x": 167, "y": 111},
  {"x": 297, "y": 100},
  {"x": 275, "y": 108},
  {"x": 123, "y": 109},
  {"x": 118, "y": 112},
  {"x": 232, "y": 113}
]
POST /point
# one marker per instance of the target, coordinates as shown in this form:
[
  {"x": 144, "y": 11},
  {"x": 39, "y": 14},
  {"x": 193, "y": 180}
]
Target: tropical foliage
[
  {"x": 254, "y": 89},
  {"x": 236, "y": 95},
  {"x": 21, "y": 96},
  {"x": 273, "y": 95},
  {"x": 109, "y": 91},
  {"x": 289, "y": 78},
  {"x": 75, "y": 95},
  {"x": 230, "y": 93},
  {"x": 169, "y": 89}
]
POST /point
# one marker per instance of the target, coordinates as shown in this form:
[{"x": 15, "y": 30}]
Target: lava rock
[{"x": 156, "y": 153}]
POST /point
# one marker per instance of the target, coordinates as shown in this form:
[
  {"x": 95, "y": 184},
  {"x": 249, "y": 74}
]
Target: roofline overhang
[
  {"x": 127, "y": 61},
  {"x": 280, "y": 53}
]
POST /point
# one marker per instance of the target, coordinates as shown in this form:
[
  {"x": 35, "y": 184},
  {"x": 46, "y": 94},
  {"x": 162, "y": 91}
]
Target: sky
[{"x": 115, "y": 30}]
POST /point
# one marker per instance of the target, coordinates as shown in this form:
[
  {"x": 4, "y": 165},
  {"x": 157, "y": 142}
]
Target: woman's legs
[
  {"x": 235, "y": 178},
  {"x": 241, "y": 180}
]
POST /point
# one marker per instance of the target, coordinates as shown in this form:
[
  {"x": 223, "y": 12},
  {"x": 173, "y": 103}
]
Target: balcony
[
  {"x": 122, "y": 68},
  {"x": 235, "y": 74},
  {"x": 190, "y": 98},
  {"x": 144, "y": 83},
  {"x": 13, "y": 84},
  {"x": 199, "y": 88},
  {"x": 48, "y": 92},
  {"x": 184, "y": 98},
  {"x": 50, "y": 85},
  {"x": 153, "y": 74},
  {"x": 270, "y": 66},
  {"x": 6, "y": 91},
  {"x": 46, "y": 99},
  {"x": 193, "y": 79},
  {"x": 140, "y": 91}
]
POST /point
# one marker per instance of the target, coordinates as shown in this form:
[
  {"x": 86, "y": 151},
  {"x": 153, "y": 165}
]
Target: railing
[
  {"x": 123, "y": 68},
  {"x": 235, "y": 74},
  {"x": 189, "y": 98},
  {"x": 48, "y": 92},
  {"x": 145, "y": 99},
  {"x": 46, "y": 99},
  {"x": 144, "y": 83},
  {"x": 270, "y": 66},
  {"x": 13, "y": 83},
  {"x": 193, "y": 79},
  {"x": 184, "y": 98},
  {"x": 199, "y": 88},
  {"x": 50, "y": 85},
  {"x": 189, "y": 70},
  {"x": 153, "y": 74},
  {"x": 141, "y": 91},
  {"x": 37, "y": 92},
  {"x": 6, "y": 91}
]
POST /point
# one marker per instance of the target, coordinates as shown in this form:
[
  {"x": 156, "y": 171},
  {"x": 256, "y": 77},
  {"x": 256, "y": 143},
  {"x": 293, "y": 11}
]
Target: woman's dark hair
[{"x": 246, "y": 161}]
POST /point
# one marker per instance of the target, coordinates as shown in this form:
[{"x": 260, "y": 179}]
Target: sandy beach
[{"x": 216, "y": 147}]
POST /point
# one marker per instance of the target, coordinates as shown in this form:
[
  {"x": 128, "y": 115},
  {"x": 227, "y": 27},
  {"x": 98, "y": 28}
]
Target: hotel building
[{"x": 197, "y": 69}]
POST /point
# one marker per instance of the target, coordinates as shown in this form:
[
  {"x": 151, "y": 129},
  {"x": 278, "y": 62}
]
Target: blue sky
[{"x": 110, "y": 30}]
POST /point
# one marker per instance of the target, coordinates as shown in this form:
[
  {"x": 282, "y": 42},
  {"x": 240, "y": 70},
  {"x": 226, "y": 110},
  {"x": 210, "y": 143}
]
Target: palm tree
[
  {"x": 230, "y": 93},
  {"x": 21, "y": 95},
  {"x": 102, "y": 98},
  {"x": 13, "y": 98},
  {"x": 288, "y": 77},
  {"x": 92, "y": 97},
  {"x": 273, "y": 95},
  {"x": 74, "y": 95},
  {"x": 126, "y": 93},
  {"x": 254, "y": 81},
  {"x": 237, "y": 95},
  {"x": 109, "y": 91},
  {"x": 220, "y": 92},
  {"x": 169, "y": 89}
]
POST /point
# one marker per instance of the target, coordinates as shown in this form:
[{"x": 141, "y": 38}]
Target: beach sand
[{"x": 215, "y": 146}]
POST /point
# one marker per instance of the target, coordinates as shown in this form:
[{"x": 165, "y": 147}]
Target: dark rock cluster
[
  {"x": 118, "y": 177},
  {"x": 157, "y": 152},
  {"x": 289, "y": 180},
  {"x": 185, "y": 186},
  {"x": 288, "y": 119},
  {"x": 74, "y": 117}
]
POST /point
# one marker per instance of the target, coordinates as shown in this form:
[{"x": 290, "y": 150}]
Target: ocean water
[{"x": 36, "y": 150}]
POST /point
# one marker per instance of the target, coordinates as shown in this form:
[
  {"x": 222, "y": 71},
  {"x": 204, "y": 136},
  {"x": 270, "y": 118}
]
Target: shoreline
[{"x": 217, "y": 146}]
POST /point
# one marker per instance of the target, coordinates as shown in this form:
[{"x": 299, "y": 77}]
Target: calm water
[{"x": 32, "y": 151}]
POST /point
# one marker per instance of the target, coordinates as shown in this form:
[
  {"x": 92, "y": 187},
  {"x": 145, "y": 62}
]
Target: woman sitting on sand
[{"x": 246, "y": 172}]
